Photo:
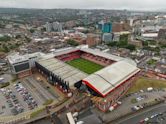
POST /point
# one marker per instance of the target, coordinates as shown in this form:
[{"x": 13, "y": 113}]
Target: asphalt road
[{"x": 134, "y": 119}]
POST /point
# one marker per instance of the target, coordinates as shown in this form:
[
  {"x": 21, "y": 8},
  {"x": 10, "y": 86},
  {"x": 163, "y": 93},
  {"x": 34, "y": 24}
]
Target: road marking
[{"x": 132, "y": 116}]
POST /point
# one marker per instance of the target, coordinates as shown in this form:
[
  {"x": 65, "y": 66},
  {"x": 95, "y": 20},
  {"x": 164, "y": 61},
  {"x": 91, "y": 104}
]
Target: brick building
[{"x": 93, "y": 39}]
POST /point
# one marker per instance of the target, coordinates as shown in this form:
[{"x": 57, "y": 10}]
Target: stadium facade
[{"x": 22, "y": 65}]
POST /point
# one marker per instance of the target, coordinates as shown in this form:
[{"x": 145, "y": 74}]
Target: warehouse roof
[{"x": 107, "y": 79}]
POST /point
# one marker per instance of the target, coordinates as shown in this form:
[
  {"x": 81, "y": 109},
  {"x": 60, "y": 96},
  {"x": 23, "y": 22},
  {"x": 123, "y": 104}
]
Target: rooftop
[
  {"x": 103, "y": 54},
  {"x": 91, "y": 119},
  {"x": 65, "y": 71},
  {"x": 110, "y": 77},
  {"x": 16, "y": 57},
  {"x": 65, "y": 51},
  {"x": 150, "y": 35}
]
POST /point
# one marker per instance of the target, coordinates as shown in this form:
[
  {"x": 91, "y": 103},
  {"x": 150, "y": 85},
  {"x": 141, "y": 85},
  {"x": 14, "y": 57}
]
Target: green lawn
[
  {"x": 85, "y": 65},
  {"x": 143, "y": 83}
]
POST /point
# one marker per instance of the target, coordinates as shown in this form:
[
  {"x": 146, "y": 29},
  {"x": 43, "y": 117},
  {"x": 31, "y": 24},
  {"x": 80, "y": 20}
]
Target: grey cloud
[{"x": 87, "y": 4}]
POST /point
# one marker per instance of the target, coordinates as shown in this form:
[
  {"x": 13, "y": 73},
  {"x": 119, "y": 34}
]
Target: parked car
[
  {"x": 14, "y": 111},
  {"x": 10, "y": 105},
  {"x": 141, "y": 121},
  {"x": 152, "y": 116},
  {"x": 30, "y": 107},
  {"x": 16, "y": 101},
  {"x": 146, "y": 119},
  {"x": 9, "y": 101}
]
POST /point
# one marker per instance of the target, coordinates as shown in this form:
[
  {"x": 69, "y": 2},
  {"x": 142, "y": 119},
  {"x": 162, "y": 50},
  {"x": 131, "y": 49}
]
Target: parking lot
[
  {"x": 37, "y": 90},
  {"x": 24, "y": 95},
  {"x": 16, "y": 99}
]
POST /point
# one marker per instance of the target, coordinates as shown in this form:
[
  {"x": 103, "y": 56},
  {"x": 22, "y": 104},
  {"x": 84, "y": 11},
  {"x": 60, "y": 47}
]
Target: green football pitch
[{"x": 85, "y": 65}]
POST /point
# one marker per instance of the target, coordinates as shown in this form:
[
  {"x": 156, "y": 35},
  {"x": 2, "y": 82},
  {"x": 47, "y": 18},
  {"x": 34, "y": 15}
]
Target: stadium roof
[
  {"x": 65, "y": 51},
  {"x": 65, "y": 71},
  {"x": 108, "y": 56},
  {"x": 94, "y": 52},
  {"x": 102, "y": 54},
  {"x": 107, "y": 79},
  {"x": 88, "y": 50}
]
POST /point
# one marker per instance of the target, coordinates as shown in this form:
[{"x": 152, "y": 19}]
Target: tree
[
  {"x": 18, "y": 36},
  {"x": 27, "y": 39},
  {"x": 163, "y": 46},
  {"x": 32, "y": 30},
  {"x": 156, "y": 49},
  {"x": 43, "y": 29},
  {"x": 5, "y": 38},
  {"x": 131, "y": 47},
  {"x": 5, "y": 48},
  {"x": 124, "y": 37},
  {"x": 122, "y": 43},
  {"x": 152, "y": 42},
  {"x": 72, "y": 42},
  {"x": 85, "y": 32},
  {"x": 2, "y": 26},
  {"x": 112, "y": 44},
  {"x": 145, "y": 43}
]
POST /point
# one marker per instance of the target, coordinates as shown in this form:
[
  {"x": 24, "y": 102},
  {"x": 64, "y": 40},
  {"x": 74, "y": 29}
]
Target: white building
[
  {"x": 116, "y": 35},
  {"x": 48, "y": 27},
  {"x": 57, "y": 26},
  {"x": 107, "y": 37},
  {"x": 21, "y": 65},
  {"x": 149, "y": 36}
]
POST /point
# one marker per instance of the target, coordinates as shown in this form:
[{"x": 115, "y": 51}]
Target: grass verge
[
  {"x": 35, "y": 113},
  {"x": 48, "y": 102},
  {"x": 143, "y": 83}
]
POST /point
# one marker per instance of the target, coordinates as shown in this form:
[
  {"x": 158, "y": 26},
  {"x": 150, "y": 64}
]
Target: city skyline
[{"x": 84, "y": 4}]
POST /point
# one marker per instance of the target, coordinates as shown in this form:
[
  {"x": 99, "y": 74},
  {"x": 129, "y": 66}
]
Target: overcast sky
[{"x": 87, "y": 4}]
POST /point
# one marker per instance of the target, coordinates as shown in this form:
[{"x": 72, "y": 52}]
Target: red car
[{"x": 141, "y": 121}]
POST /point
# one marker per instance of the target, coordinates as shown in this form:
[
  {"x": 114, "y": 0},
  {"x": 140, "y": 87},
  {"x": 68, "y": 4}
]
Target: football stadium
[{"x": 106, "y": 77}]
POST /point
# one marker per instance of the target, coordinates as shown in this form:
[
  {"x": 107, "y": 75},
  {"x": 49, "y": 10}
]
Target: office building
[
  {"x": 48, "y": 27},
  {"x": 55, "y": 26},
  {"x": 107, "y": 37},
  {"x": 162, "y": 34},
  {"x": 105, "y": 27},
  {"x": 21, "y": 65}
]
